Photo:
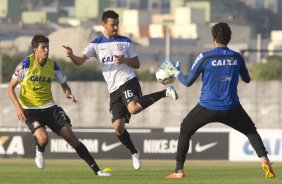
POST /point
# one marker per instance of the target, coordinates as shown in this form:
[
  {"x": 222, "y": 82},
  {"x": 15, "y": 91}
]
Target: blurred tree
[
  {"x": 145, "y": 75},
  {"x": 87, "y": 72},
  {"x": 9, "y": 64},
  {"x": 271, "y": 70}
]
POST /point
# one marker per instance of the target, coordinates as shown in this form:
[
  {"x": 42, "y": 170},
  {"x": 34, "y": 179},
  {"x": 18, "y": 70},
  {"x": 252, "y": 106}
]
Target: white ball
[{"x": 164, "y": 77}]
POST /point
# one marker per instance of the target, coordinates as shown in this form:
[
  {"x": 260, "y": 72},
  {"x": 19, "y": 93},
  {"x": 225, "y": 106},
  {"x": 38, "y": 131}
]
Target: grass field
[{"x": 22, "y": 171}]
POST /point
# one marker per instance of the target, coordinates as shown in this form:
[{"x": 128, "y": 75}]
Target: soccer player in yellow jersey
[{"x": 36, "y": 106}]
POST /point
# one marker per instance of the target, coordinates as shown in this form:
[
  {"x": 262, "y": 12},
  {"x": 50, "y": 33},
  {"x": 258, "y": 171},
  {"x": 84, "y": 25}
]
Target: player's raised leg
[
  {"x": 171, "y": 92},
  {"x": 267, "y": 168}
]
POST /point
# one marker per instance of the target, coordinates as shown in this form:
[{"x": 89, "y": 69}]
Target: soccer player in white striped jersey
[{"x": 117, "y": 56}]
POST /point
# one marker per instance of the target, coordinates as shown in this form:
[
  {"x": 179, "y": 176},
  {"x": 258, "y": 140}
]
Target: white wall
[{"x": 92, "y": 110}]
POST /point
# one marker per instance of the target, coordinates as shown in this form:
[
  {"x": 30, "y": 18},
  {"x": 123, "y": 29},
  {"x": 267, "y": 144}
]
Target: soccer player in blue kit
[
  {"x": 117, "y": 56},
  {"x": 221, "y": 69}
]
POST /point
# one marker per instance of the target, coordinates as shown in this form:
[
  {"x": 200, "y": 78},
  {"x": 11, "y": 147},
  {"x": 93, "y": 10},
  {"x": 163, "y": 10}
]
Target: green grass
[{"x": 22, "y": 171}]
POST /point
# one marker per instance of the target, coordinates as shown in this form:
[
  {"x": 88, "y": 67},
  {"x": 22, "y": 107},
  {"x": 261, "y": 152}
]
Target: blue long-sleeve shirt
[{"x": 220, "y": 69}]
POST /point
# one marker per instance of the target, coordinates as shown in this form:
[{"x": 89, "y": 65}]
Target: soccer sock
[
  {"x": 147, "y": 100},
  {"x": 179, "y": 166},
  {"x": 182, "y": 147},
  {"x": 83, "y": 152},
  {"x": 40, "y": 148},
  {"x": 125, "y": 140}
]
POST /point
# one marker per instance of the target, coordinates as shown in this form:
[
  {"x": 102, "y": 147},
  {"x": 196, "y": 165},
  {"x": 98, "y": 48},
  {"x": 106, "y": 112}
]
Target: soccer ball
[{"x": 164, "y": 77}]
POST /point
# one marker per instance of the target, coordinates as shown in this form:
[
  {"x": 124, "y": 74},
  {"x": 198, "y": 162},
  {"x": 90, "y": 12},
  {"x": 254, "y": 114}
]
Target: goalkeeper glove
[{"x": 172, "y": 69}]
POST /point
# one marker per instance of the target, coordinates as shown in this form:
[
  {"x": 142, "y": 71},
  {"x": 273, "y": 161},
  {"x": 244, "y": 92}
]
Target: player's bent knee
[
  {"x": 42, "y": 141},
  {"x": 118, "y": 132},
  {"x": 134, "y": 109}
]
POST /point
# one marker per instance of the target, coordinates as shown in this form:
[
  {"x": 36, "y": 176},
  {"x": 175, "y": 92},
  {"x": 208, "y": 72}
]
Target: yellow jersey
[{"x": 36, "y": 82}]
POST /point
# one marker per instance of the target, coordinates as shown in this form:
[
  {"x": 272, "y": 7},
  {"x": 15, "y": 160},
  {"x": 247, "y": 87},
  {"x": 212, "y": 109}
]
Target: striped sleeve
[
  {"x": 59, "y": 74},
  {"x": 195, "y": 71},
  {"x": 21, "y": 70}
]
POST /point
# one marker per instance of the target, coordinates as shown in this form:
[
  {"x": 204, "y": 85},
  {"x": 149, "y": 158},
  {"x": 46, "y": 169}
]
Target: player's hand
[
  {"x": 172, "y": 69},
  {"x": 118, "y": 59},
  {"x": 69, "y": 51},
  {"x": 71, "y": 97},
  {"x": 20, "y": 114},
  {"x": 177, "y": 66}
]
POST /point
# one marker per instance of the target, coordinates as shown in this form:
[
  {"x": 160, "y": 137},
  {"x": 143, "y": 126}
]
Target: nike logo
[
  {"x": 201, "y": 148},
  {"x": 109, "y": 147},
  {"x": 36, "y": 88}
]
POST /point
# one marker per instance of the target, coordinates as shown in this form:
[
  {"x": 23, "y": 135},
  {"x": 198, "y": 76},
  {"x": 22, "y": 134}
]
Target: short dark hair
[
  {"x": 221, "y": 32},
  {"x": 109, "y": 14},
  {"x": 38, "y": 39}
]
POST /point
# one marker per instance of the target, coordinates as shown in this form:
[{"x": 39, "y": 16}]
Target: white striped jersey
[{"x": 104, "y": 49}]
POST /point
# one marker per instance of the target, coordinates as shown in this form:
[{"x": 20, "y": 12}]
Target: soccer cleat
[
  {"x": 171, "y": 92},
  {"x": 103, "y": 173},
  {"x": 267, "y": 169},
  {"x": 176, "y": 175},
  {"x": 136, "y": 160},
  {"x": 39, "y": 159}
]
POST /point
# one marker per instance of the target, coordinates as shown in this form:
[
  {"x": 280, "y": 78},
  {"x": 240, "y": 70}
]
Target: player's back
[{"x": 220, "y": 74}]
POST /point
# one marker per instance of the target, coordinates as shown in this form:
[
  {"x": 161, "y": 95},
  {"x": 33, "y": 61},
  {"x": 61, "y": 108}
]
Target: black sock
[
  {"x": 40, "y": 148},
  {"x": 125, "y": 140},
  {"x": 83, "y": 152},
  {"x": 179, "y": 166},
  {"x": 182, "y": 147},
  {"x": 147, "y": 100}
]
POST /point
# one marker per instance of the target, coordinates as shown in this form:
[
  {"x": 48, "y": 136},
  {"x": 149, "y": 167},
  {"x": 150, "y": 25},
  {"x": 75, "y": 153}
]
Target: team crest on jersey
[
  {"x": 223, "y": 51},
  {"x": 120, "y": 47}
]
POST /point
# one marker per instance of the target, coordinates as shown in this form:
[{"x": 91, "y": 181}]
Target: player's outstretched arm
[
  {"x": 171, "y": 68},
  {"x": 68, "y": 92},
  {"x": 78, "y": 60},
  {"x": 174, "y": 69}
]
